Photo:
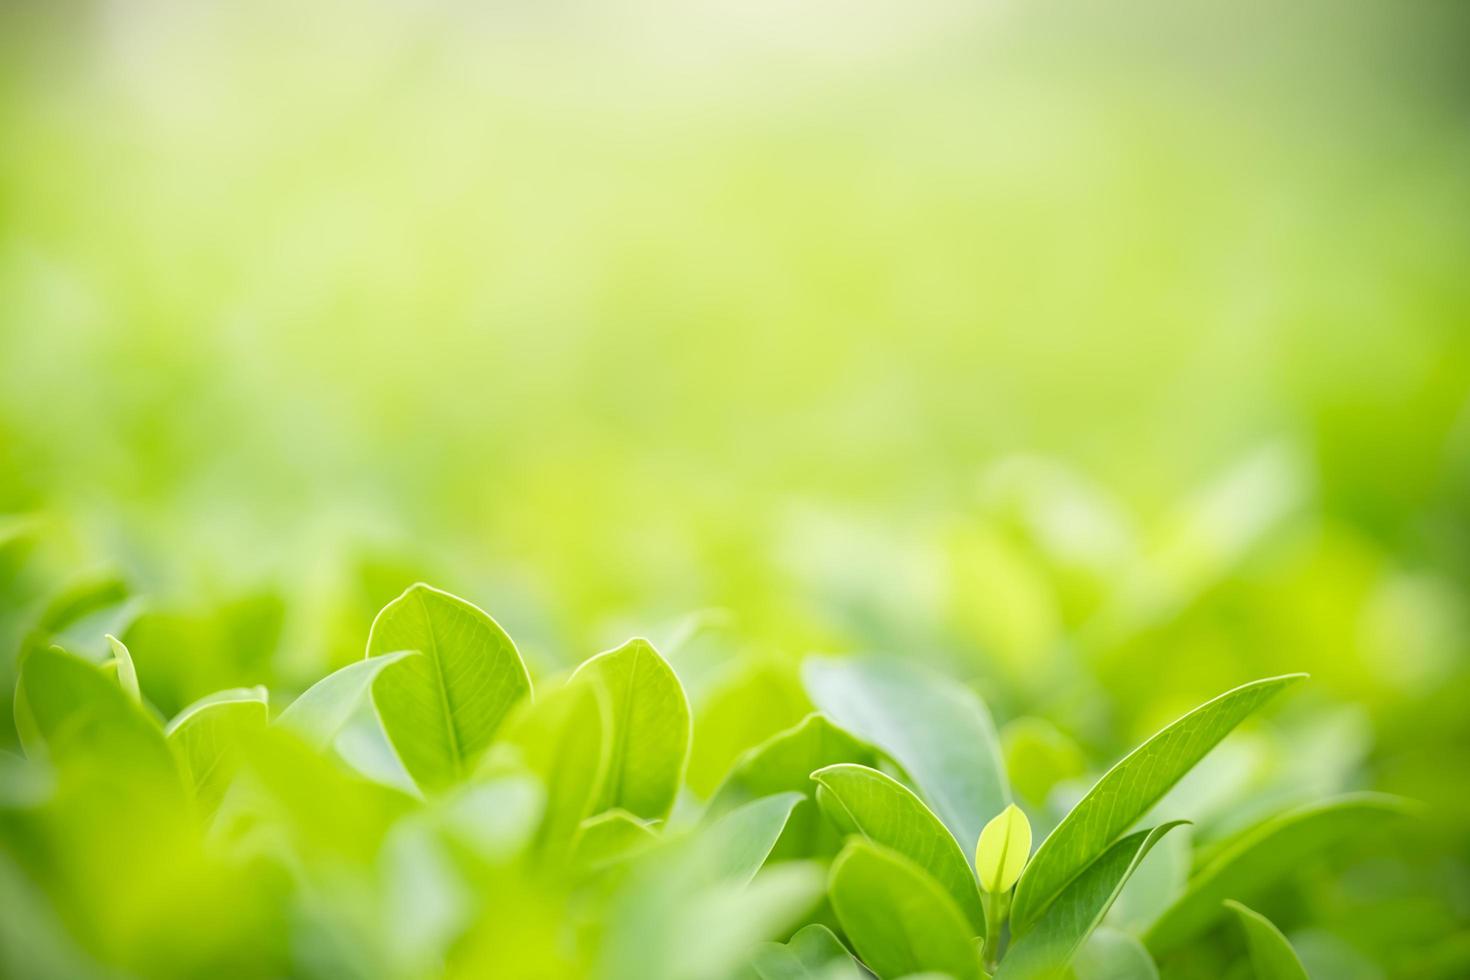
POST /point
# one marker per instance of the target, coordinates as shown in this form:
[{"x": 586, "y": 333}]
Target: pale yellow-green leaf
[
  {"x": 209, "y": 736},
  {"x": 1004, "y": 846},
  {"x": 440, "y": 711},
  {"x": 127, "y": 674},
  {"x": 649, "y": 729}
]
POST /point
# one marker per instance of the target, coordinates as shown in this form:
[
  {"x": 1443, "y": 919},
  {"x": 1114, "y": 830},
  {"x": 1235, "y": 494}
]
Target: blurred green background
[{"x": 1106, "y": 356}]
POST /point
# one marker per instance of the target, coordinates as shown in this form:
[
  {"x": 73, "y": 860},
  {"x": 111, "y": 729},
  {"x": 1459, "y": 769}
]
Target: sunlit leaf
[
  {"x": 1004, "y": 846},
  {"x": 441, "y": 710},
  {"x": 322, "y": 709},
  {"x": 939, "y": 731},
  {"x": 898, "y": 918},
  {"x": 649, "y": 729},
  {"x": 1271, "y": 954},
  {"x": 1045, "y": 950},
  {"x": 864, "y": 801},
  {"x": 1269, "y": 853},
  {"x": 207, "y": 736},
  {"x": 127, "y": 674},
  {"x": 1127, "y": 792}
]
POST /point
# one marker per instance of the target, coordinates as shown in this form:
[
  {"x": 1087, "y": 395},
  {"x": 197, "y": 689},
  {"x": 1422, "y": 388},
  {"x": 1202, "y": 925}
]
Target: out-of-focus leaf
[
  {"x": 1038, "y": 756},
  {"x": 1110, "y": 954},
  {"x": 1265, "y": 855},
  {"x": 865, "y": 801},
  {"x": 1127, "y": 792},
  {"x": 814, "y": 953},
  {"x": 322, "y": 709},
  {"x": 898, "y": 918},
  {"x": 744, "y": 708},
  {"x": 784, "y": 763},
  {"x": 1156, "y": 884},
  {"x": 127, "y": 674},
  {"x": 1048, "y": 947},
  {"x": 743, "y": 838},
  {"x": 33, "y": 943},
  {"x": 207, "y": 737},
  {"x": 424, "y": 902},
  {"x": 1004, "y": 846},
  {"x": 441, "y": 710},
  {"x": 563, "y": 740},
  {"x": 680, "y": 915},
  {"x": 649, "y": 729},
  {"x": 939, "y": 731},
  {"x": 494, "y": 817},
  {"x": 78, "y": 616},
  {"x": 70, "y": 711},
  {"x": 1271, "y": 954},
  {"x": 608, "y": 837},
  {"x": 324, "y": 814}
]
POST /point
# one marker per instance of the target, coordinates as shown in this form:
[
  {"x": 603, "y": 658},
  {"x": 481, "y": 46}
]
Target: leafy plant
[{"x": 553, "y": 833}]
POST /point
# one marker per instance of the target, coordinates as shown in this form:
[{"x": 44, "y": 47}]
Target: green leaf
[
  {"x": 85, "y": 609},
  {"x": 898, "y": 918},
  {"x": 1271, "y": 955},
  {"x": 814, "y": 953},
  {"x": 69, "y": 711},
  {"x": 563, "y": 740},
  {"x": 1004, "y": 846},
  {"x": 322, "y": 709},
  {"x": 1129, "y": 790},
  {"x": 1110, "y": 954},
  {"x": 441, "y": 711},
  {"x": 785, "y": 761},
  {"x": 1038, "y": 756},
  {"x": 939, "y": 731},
  {"x": 1265, "y": 855},
  {"x": 743, "y": 708},
  {"x": 865, "y": 801},
  {"x": 127, "y": 674},
  {"x": 649, "y": 729},
  {"x": 742, "y": 839},
  {"x": 1156, "y": 885},
  {"x": 610, "y": 837},
  {"x": 208, "y": 737},
  {"x": 1048, "y": 947}
]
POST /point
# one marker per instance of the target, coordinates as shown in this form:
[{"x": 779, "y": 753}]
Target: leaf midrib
[
  {"x": 617, "y": 775},
  {"x": 443, "y": 685}
]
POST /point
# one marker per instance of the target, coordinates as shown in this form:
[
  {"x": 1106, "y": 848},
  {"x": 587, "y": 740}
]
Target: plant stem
[{"x": 997, "y": 908}]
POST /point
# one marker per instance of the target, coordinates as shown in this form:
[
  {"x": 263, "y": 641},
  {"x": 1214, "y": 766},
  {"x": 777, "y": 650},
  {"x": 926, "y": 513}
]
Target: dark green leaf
[{"x": 649, "y": 729}]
